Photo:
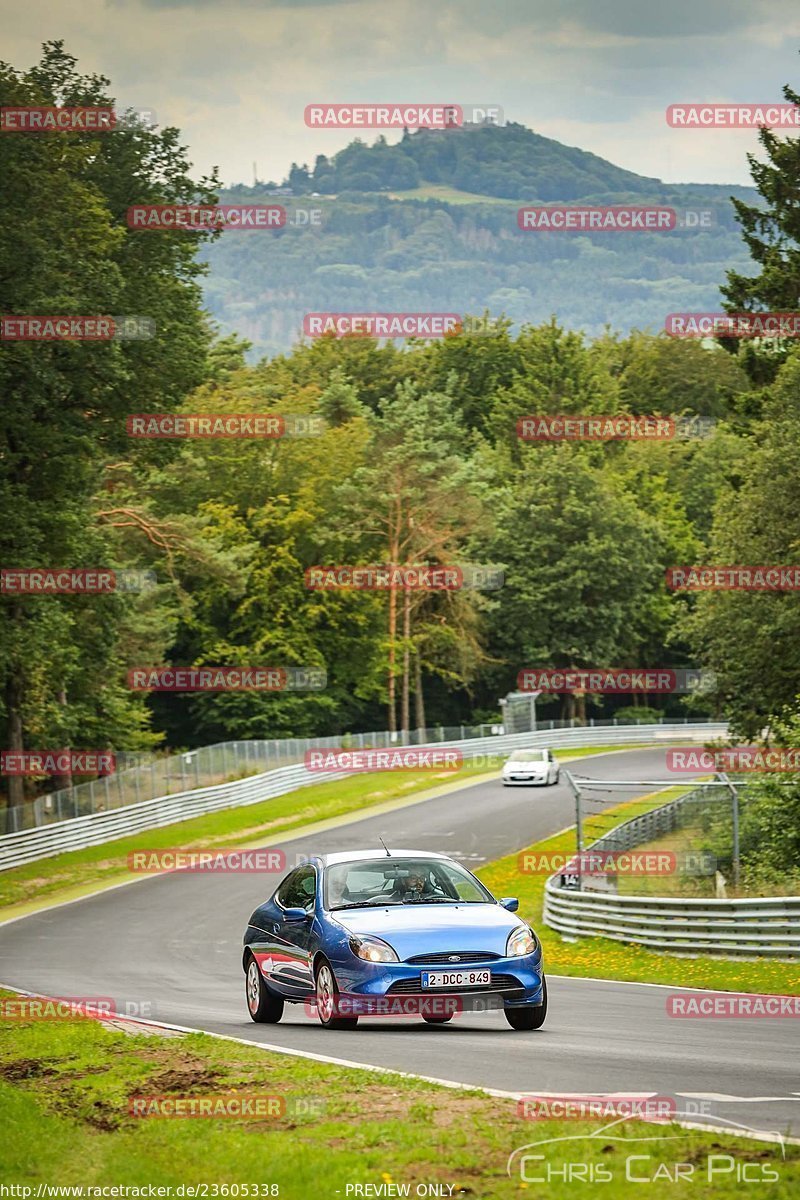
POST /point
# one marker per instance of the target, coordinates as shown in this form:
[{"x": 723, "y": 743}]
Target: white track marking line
[
  {"x": 673, "y": 987},
  {"x": 454, "y": 1085}
]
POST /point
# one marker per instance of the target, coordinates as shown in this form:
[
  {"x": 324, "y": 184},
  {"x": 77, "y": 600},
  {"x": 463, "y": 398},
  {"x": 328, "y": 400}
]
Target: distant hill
[
  {"x": 508, "y": 162},
  {"x": 430, "y": 224}
]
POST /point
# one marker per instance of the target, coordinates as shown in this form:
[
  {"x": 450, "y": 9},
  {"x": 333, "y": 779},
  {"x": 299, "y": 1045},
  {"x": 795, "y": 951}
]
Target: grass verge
[
  {"x": 65, "y": 1088},
  {"x": 605, "y": 959},
  {"x": 80, "y": 872}
]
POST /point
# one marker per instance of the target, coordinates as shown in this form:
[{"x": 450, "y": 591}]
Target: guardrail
[
  {"x": 155, "y": 776},
  {"x": 756, "y": 926},
  {"x": 77, "y": 833}
]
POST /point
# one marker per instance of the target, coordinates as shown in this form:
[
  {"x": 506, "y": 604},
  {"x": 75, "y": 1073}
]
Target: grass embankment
[
  {"x": 65, "y": 1088},
  {"x": 603, "y": 958},
  {"x": 82, "y": 871},
  {"x": 690, "y": 840}
]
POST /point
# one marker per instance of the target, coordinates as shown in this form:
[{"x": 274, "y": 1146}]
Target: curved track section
[{"x": 173, "y": 942}]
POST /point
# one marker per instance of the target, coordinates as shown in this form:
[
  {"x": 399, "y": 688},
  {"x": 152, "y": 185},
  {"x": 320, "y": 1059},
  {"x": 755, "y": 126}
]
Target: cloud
[{"x": 236, "y": 78}]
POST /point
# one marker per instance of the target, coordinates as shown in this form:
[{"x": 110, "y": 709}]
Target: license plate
[{"x": 455, "y": 979}]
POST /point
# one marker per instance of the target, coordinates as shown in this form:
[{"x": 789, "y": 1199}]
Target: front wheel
[
  {"x": 530, "y": 1017},
  {"x": 328, "y": 1000},
  {"x": 261, "y": 1004}
]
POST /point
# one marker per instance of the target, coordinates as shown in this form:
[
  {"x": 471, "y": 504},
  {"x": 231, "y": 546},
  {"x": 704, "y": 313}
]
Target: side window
[
  {"x": 298, "y": 889},
  {"x": 283, "y": 890}
]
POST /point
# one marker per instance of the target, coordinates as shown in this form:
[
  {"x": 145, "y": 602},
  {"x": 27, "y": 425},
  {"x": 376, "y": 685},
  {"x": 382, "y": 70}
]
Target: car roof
[{"x": 360, "y": 855}]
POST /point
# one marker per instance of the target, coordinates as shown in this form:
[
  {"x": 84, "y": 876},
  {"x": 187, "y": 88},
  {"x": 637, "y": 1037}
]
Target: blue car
[{"x": 379, "y": 933}]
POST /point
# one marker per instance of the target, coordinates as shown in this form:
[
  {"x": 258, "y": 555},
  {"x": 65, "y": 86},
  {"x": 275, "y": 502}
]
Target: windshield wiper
[
  {"x": 431, "y": 900},
  {"x": 362, "y": 904}
]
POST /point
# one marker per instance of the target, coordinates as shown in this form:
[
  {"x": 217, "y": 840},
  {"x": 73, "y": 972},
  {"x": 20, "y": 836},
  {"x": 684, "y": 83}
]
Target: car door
[{"x": 290, "y": 972}]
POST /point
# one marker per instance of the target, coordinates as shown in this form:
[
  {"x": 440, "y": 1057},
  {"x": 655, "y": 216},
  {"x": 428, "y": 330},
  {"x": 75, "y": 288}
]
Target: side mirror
[
  {"x": 510, "y": 902},
  {"x": 295, "y": 914}
]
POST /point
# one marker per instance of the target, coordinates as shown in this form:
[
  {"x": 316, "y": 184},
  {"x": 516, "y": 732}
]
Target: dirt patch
[
  {"x": 24, "y": 1068},
  {"x": 188, "y": 1079}
]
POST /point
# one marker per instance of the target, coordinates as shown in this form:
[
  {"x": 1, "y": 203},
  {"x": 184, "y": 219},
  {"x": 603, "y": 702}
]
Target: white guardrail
[
  {"x": 758, "y": 926},
  {"x": 77, "y": 833}
]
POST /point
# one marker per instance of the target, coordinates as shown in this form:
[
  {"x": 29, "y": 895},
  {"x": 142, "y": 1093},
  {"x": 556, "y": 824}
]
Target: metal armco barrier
[
  {"x": 757, "y": 926},
  {"x": 77, "y": 833}
]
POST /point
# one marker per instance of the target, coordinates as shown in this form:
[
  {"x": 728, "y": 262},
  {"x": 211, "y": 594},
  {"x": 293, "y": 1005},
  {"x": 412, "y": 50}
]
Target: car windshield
[
  {"x": 366, "y": 883},
  {"x": 529, "y": 756}
]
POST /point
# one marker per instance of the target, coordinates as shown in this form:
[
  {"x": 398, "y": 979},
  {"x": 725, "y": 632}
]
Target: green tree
[
  {"x": 584, "y": 568},
  {"x": 65, "y": 249},
  {"x": 751, "y": 640},
  {"x": 771, "y": 231}
]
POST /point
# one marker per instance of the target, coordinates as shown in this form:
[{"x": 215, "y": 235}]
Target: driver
[{"x": 416, "y": 885}]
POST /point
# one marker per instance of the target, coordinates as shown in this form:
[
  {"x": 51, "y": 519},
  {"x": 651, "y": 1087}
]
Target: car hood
[
  {"x": 414, "y": 929},
  {"x": 524, "y": 765}
]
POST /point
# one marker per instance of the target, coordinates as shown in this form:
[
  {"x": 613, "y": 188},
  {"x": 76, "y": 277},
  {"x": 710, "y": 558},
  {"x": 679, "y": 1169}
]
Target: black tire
[
  {"x": 262, "y": 1005},
  {"x": 327, "y": 990},
  {"x": 437, "y": 1020},
  {"x": 530, "y": 1017}
]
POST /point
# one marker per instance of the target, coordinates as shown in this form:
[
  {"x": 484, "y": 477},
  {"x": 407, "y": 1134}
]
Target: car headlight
[
  {"x": 521, "y": 941},
  {"x": 372, "y": 949}
]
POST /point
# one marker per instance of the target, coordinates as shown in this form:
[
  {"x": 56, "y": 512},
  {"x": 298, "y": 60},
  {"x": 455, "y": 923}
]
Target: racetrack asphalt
[{"x": 171, "y": 944}]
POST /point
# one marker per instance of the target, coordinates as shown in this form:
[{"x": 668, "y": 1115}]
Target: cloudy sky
[{"x": 236, "y": 75}]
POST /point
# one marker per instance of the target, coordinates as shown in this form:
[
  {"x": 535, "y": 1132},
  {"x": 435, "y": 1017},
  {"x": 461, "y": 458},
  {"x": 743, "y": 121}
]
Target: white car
[{"x": 529, "y": 768}]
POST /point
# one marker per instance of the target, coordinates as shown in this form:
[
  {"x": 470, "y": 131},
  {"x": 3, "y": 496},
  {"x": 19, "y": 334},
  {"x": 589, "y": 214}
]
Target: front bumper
[
  {"x": 519, "y": 980},
  {"x": 526, "y": 780}
]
